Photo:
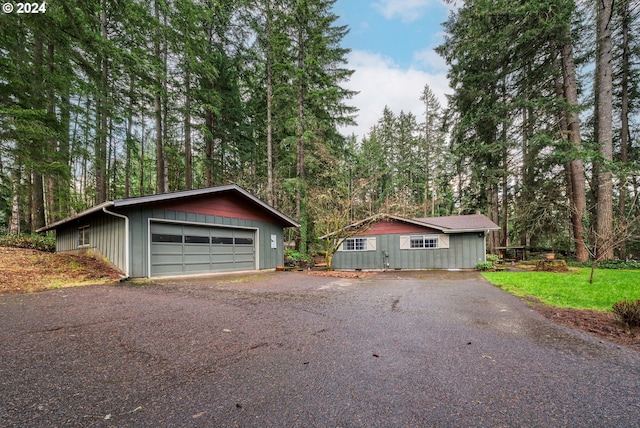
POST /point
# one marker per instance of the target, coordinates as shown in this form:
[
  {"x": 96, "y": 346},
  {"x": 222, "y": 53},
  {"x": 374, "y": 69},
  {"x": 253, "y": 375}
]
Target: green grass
[{"x": 572, "y": 289}]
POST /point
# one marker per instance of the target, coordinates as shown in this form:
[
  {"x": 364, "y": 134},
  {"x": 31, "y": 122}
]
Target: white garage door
[{"x": 178, "y": 249}]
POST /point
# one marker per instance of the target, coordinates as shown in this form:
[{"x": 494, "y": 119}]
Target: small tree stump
[{"x": 551, "y": 266}]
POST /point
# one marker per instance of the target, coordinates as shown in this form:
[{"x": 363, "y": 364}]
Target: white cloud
[
  {"x": 381, "y": 83},
  {"x": 406, "y": 10},
  {"x": 429, "y": 59}
]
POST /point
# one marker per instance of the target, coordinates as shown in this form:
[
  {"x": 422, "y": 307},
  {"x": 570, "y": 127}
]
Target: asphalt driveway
[{"x": 294, "y": 350}]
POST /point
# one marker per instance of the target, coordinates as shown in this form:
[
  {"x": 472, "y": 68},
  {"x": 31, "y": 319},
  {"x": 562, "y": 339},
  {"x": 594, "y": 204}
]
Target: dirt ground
[
  {"x": 26, "y": 271},
  {"x": 601, "y": 324}
]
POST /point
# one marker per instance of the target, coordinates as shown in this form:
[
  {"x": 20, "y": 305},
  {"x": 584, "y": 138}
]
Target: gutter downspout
[
  {"x": 126, "y": 239},
  {"x": 486, "y": 233}
]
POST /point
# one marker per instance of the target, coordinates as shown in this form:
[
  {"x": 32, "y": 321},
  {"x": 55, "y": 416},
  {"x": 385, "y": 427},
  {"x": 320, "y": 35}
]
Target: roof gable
[
  {"x": 186, "y": 198},
  {"x": 460, "y": 223},
  {"x": 388, "y": 226},
  {"x": 224, "y": 204},
  {"x": 447, "y": 224}
]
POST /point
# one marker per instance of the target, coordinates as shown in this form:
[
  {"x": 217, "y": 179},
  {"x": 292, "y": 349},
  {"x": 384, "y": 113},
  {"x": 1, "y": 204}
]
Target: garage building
[{"x": 217, "y": 229}]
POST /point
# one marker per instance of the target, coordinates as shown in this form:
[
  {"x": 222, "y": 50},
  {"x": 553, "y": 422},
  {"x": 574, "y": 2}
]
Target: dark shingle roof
[
  {"x": 460, "y": 223},
  {"x": 448, "y": 224}
]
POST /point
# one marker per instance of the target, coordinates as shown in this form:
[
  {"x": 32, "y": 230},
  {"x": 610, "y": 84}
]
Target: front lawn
[{"x": 572, "y": 289}]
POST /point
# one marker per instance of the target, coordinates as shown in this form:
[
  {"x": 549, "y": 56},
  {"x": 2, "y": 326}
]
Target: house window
[
  {"x": 417, "y": 242},
  {"x": 424, "y": 242},
  {"x": 83, "y": 236},
  {"x": 355, "y": 244}
]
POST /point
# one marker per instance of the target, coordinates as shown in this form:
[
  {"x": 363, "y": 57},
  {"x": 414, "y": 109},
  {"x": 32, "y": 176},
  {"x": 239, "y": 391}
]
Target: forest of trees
[{"x": 101, "y": 100}]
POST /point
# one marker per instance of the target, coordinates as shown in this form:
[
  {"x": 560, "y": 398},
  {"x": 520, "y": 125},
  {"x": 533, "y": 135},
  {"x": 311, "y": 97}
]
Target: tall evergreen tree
[
  {"x": 317, "y": 57},
  {"x": 604, "y": 130}
]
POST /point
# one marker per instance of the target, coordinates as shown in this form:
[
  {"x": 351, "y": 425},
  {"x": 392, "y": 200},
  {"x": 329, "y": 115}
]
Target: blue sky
[{"x": 392, "y": 54}]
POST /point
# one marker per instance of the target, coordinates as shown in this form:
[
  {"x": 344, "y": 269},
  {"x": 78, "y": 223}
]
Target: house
[
  {"x": 217, "y": 229},
  {"x": 390, "y": 242}
]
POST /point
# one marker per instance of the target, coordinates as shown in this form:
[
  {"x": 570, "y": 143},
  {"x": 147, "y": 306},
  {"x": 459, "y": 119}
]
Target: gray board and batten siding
[
  {"x": 390, "y": 242},
  {"x": 107, "y": 238},
  {"x": 465, "y": 251},
  {"x": 241, "y": 233}
]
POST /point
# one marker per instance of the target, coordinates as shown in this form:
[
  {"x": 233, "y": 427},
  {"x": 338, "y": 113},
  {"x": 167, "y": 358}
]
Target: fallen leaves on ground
[
  {"x": 341, "y": 274},
  {"x": 24, "y": 270},
  {"x": 601, "y": 324}
]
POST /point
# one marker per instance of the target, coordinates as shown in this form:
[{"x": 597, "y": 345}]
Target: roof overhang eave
[{"x": 91, "y": 210}]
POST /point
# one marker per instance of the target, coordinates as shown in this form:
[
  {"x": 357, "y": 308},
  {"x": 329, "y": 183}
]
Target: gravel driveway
[{"x": 295, "y": 350}]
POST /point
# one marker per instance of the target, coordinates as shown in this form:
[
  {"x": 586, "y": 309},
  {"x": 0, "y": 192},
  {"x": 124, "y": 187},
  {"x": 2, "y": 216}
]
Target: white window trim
[
  {"x": 369, "y": 244},
  {"x": 442, "y": 243}
]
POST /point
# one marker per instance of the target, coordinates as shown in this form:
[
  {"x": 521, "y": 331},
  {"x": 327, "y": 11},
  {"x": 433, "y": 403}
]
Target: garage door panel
[
  {"x": 195, "y": 230},
  {"x": 164, "y": 259},
  {"x": 166, "y": 228},
  {"x": 221, "y": 249},
  {"x": 243, "y": 266},
  {"x": 220, "y": 262},
  {"x": 198, "y": 267},
  {"x": 196, "y": 258},
  {"x": 243, "y": 257},
  {"x": 196, "y": 249},
  {"x": 178, "y": 249},
  {"x": 166, "y": 249},
  {"x": 169, "y": 269}
]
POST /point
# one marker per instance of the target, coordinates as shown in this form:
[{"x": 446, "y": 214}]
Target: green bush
[
  {"x": 628, "y": 311},
  {"x": 484, "y": 266},
  {"x": 618, "y": 264},
  {"x": 296, "y": 256},
  {"x": 34, "y": 241},
  {"x": 609, "y": 264},
  {"x": 493, "y": 258}
]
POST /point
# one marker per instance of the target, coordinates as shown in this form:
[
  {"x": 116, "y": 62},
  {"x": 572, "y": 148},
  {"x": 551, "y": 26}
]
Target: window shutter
[
  {"x": 371, "y": 243},
  {"x": 443, "y": 241},
  {"x": 405, "y": 242},
  {"x": 341, "y": 246}
]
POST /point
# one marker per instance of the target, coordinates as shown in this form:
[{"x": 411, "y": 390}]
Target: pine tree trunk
[
  {"x": 269, "y": 72},
  {"x": 63, "y": 185},
  {"x": 37, "y": 147},
  {"x": 160, "y": 179},
  {"x": 52, "y": 207},
  {"x": 142, "y": 154},
  {"x": 165, "y": 109},
  {"x": 604, "y": 131},
  {"x": 492, "y": 199},
  {"x": 14, "y": 223},
  {"x": 102, "y": 123},
  {"x": 300, "y": 214},
  {"x": 624, "y": 119},
  {"x": 128, "y": 142},
  {"x": 578, "y": 198},
  {"x": 209, "y": 123},
  {"x": 188, "y": 162}
]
